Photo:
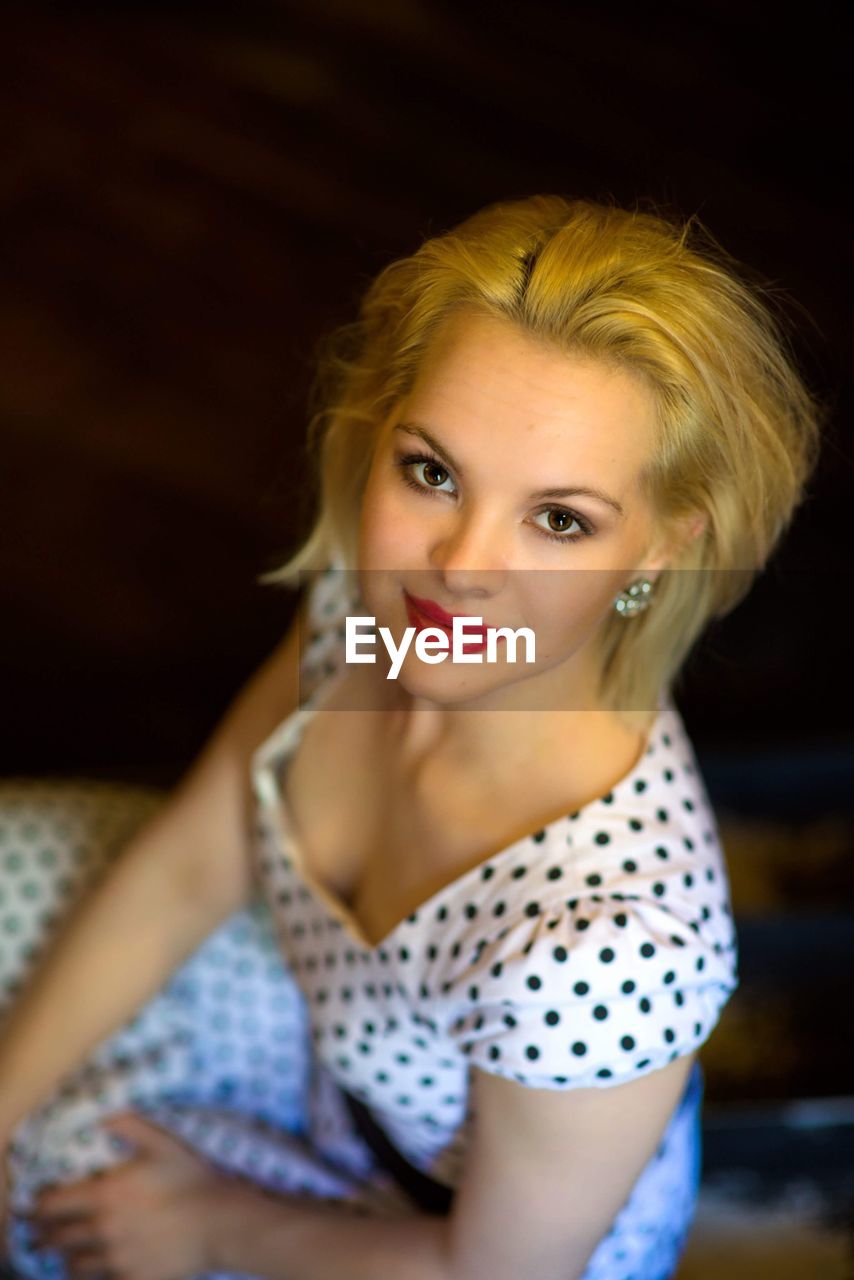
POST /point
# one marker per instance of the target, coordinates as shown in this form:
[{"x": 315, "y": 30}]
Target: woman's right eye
[{"x": 425, "y": 460}]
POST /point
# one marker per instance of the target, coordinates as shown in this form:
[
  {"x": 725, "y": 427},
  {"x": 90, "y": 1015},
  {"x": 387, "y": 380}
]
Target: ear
[{"x": 670, "y": 545}]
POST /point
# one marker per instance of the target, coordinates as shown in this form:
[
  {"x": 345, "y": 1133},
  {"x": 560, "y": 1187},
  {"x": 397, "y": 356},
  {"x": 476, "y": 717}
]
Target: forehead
[{"x": 484, "y": 381}]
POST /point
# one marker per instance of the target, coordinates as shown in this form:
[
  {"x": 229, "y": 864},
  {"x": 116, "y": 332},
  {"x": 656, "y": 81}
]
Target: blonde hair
[{"x": 738, "y": 431}]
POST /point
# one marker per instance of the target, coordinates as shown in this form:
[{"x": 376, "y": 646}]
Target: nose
[{"x": 469, "y": 558}]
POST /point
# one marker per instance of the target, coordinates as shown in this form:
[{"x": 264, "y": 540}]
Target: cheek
[
  {"x": 387, "y": 527},
  {"x": 578, "y": 602}
]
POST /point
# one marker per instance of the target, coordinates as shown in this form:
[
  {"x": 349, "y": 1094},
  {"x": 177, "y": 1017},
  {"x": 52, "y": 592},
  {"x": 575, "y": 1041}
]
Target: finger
[
  {"x": 88, "y": 1266},
  {"x": 68, "y": 1235},
  {"x": 70, "y": 1197},
  {"x": 143, "y": 1133}
]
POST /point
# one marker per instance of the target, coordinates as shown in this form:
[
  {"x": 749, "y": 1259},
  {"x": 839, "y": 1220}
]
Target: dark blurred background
[{"x": 191, "y": 195}]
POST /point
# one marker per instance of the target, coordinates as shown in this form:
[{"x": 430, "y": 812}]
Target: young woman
[{"x": 496, "y": 887}]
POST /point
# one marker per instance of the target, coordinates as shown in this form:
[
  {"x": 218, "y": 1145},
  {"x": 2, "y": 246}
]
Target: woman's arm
[
  {"x": 252, "y": 1231},
  {"x": 546, "y": 1176},
  {"x": 178, "y": 878}
]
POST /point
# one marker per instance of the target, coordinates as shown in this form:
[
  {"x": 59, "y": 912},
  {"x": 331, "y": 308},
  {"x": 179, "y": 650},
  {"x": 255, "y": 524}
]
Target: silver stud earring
[{"x": 635, "y": 598}]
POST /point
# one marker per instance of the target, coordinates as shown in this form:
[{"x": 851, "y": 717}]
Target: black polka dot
[
  {"x": 627, "y": 1042},
  {"x": 532, "y": 1051},
  {"x": 539, "y": 836},
  {"x": 581, "y": 988},
  {"x": 600, "y": 1012},
  {"x": 554, "y": 873},
  {"x": 606, "y": 955},
  {"x": 647, "y": 949},
  {"x": 593, "y": 880},
  {"x": 579, "y": 1048},
  {"x": 602, "y": 837},
  {"x": 470, "y": 911},
  {"x": 560, "y": 954},
  {"x": 532, "y": 909},
  {"x": 552, "y": 1017},
  {"x": 518, "y": 872},
  {"x": 534, "y": 982},
  {"x": 630, "y": 865}
]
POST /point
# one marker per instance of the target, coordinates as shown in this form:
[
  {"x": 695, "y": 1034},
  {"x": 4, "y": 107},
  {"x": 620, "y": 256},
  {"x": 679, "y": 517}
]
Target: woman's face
[{"x": 453, "y": 509}]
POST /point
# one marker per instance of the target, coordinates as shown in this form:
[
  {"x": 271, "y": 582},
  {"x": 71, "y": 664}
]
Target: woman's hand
[{"x": 145, "y": 1219}]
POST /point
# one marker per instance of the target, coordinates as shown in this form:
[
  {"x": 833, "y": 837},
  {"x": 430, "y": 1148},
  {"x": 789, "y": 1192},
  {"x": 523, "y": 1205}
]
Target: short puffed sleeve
[{"x": 595, "y": 993}]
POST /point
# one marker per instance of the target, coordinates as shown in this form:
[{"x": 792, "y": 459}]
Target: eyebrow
[{"x": 414, "y": 429}]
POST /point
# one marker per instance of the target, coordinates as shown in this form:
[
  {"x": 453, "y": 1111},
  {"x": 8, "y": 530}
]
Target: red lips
[{"x": 434, "y": 613}]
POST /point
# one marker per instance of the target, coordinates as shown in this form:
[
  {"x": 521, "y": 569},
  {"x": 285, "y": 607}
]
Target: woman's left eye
[
  {"x": 585, "y": 528},
  {"x": 427, "y": 460}
]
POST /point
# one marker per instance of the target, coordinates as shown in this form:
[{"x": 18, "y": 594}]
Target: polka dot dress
[
  {"x": 220, "y": 1056},
  {"x": 584, "y": 955}
]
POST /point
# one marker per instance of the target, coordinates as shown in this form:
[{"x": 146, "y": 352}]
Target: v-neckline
[{"x": 278, "y": 749}]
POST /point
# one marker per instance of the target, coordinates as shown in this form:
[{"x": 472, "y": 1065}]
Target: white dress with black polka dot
[{"x": 584, "y": 955}]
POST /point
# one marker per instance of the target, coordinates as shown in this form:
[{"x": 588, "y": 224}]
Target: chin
[{"x": 445, "y": 683}]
